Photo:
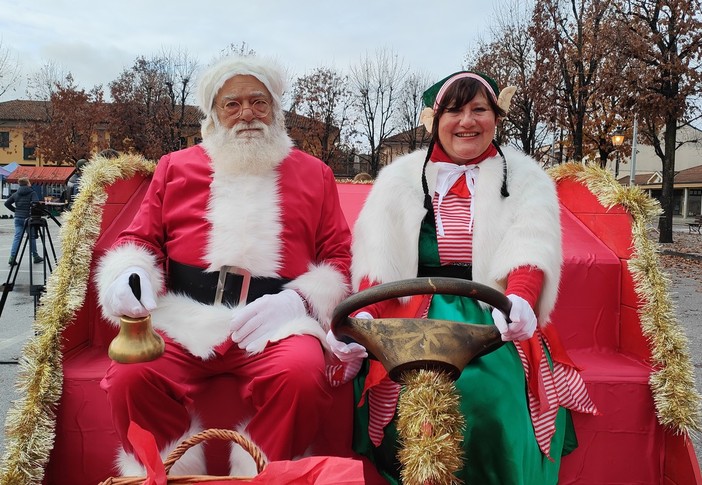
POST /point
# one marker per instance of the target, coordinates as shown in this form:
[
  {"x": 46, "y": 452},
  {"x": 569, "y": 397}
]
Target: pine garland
[
  {"x": 673, "y": 379},
  {"x": 31, "y": 421}
]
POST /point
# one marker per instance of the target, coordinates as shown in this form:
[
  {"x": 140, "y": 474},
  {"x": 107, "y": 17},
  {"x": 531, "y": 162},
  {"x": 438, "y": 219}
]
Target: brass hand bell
[{"x": 136, "y": 341}]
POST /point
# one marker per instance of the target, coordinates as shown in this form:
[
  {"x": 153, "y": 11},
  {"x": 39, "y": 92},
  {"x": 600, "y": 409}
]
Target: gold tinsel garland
[
  {"x": 430, "y": 426},
  {"x": 31, "y": 421},
  {"x": 673, "y": 379}
]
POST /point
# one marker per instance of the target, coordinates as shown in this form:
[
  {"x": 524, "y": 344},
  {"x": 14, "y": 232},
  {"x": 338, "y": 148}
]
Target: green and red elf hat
[{"x": 433, "y": 96}]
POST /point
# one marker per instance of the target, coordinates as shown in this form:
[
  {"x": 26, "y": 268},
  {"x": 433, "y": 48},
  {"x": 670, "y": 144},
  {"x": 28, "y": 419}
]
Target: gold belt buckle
[{"x": 245, "y": 283}]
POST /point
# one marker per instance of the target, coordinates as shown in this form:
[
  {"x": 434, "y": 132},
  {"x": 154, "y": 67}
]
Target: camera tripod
[{"x": 36, "y": 226}]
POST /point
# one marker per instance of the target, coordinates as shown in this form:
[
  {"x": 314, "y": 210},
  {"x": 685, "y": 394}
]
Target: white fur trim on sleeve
[
  {"x": 323, "y": 286},
  {"x": 198, "y": 327},
  {"x": 116, "y": 261}
]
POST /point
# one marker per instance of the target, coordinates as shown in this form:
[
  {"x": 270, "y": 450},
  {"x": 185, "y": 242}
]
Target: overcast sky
[{"x": 96, "y": 40}]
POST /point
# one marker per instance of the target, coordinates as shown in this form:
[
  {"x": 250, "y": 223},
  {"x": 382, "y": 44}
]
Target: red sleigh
[{"x": 608, "y": 314}]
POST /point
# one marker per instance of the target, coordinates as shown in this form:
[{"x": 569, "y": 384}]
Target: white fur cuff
[
  {"x": 116, "y": 261},
  {"x": 323, "y": 286}
]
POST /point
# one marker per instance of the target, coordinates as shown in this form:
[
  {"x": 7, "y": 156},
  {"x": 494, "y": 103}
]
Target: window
[
  {"x": 694, "y": 202},
  {"x": 29, "y": 153},
  {"x": 677, "y": 202},
  {"x": 4, "y": 139}
]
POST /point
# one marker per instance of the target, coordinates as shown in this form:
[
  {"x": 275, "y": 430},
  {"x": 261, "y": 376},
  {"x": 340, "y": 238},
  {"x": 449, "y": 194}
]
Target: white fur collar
[
  {"x": 520, "y": 230},
  {"x": 244, "y": 211}
]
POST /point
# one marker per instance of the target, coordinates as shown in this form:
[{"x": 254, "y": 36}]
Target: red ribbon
[{"x": 146, "y": 450}]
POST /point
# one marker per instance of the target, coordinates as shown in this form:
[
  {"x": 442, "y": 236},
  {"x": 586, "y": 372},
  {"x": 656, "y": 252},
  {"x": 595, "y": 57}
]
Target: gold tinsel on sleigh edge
[
  {"x": 673, "y": 379},
  {"x": 31, "y": 421}
]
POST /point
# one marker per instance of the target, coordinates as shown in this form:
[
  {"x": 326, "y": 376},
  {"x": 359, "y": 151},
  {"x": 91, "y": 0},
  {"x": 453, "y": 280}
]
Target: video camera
[{"x": 38, "y": 209}]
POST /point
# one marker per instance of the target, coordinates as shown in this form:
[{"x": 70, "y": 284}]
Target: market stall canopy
[{"x": 42, "y": 175}]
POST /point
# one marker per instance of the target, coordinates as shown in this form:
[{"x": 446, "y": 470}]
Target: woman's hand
[
  {"x": 349, "y": 358},
  {"x": 348, "y": 353},
  {"x": 523, "y": 322}
]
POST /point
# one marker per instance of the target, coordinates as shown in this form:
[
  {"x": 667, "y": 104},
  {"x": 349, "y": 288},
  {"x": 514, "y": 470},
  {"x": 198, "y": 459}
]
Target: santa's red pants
[{"x": 282, "y": 390}]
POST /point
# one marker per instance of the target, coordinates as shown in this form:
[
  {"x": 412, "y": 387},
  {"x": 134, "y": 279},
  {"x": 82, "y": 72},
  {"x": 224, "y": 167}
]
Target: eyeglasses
[{"x": 260, "y": 108}]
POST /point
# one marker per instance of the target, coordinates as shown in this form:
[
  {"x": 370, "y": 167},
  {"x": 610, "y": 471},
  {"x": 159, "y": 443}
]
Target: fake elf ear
[
  {"x": 426, "y": 117},
  {"x": 505, "y": 98}
]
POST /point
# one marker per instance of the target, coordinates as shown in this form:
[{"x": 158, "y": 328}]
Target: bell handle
[
  {"x": 135, "y": 285},
  {"x": 420, "y": 286}
]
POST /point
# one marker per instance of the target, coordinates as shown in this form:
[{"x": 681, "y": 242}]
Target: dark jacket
[{"x": 21, "y": 201}]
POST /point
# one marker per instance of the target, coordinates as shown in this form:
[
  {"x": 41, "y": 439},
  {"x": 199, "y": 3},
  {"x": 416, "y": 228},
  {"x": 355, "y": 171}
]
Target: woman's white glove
[
  {"x": 523, "y": 322},
  {"x": 253, "y": 325},
  {"x": 347, "y": 353},
  {"x": 351, "y": 357},
  {"x": 119, "y": 300},
  {"x": 364, "y": 316}
]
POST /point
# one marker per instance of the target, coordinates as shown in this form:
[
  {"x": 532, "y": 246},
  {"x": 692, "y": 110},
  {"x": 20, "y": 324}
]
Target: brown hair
[
  {"x": 23, "y": 181},
  {"x": 460, "y": 93}
]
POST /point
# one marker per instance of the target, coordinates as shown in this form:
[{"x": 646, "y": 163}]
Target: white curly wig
[{"x": 213, "y": 78}]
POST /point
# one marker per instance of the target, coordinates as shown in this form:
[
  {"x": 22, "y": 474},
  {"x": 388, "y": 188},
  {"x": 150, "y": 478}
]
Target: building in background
[{"x": 18, "y": 119}]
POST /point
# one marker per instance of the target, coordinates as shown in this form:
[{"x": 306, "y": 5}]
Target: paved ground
[
  {"x": 685, "y": 270},
  {"x": 18, "y": 311}
]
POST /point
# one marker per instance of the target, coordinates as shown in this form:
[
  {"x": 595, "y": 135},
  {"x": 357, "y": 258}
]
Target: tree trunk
[{"x": 665, "y": 222}]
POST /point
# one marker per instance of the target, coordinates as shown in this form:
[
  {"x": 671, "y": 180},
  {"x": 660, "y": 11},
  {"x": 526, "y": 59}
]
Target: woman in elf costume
[{"x": 467, "y": 208}]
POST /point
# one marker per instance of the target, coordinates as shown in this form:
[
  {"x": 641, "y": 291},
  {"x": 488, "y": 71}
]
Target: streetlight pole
[
  {"x": 617, "y": 140},
  {"x": 632, "y": 175}
]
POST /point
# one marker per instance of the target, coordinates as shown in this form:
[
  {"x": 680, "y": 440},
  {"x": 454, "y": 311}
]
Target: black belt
[
  {"x": 202, "y": 286},
  {"x": 462, "y": 271}
]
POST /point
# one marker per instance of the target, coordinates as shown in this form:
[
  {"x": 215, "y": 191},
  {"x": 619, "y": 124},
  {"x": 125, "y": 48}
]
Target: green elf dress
[{"x": 501, "y": 405}]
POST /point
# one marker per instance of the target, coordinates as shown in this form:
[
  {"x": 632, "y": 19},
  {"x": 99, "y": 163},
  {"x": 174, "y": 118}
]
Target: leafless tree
[
  {"x": 376, "y": 81},
  {"x": 179, "y": 71},
  {"x": 43, "y": 83},
  {"x": 324, "y": 97},
  {"x": 409, "y": 109},
  {"x": 241, "y": 49},
  {"x": 9, "y": 69}
]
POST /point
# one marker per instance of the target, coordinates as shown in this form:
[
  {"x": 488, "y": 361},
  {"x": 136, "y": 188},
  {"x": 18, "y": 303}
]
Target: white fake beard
[{"x": 234, "y": 153}]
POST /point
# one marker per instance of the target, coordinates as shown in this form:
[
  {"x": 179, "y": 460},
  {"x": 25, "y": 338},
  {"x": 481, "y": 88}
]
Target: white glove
[
  {"x": 346, "y": 352},
  {"x": 253, "y": 325},
  {"x": 351, "y": 357},
  {"x": 119, "y": 300},
  {"x": 523, "y": 322}
]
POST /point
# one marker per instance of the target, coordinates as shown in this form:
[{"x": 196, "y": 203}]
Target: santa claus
[{"x": 242, "y": 252}]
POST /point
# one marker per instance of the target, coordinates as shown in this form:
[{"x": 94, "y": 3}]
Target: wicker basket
[{"x": 221, "y": 434}]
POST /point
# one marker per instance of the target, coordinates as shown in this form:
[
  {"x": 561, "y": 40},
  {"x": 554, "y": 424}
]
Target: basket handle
[{"x": 220, "y": 434}]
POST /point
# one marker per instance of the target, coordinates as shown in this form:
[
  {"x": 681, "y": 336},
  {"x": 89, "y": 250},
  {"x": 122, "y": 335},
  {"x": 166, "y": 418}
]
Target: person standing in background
[{"x": 21, "y": 204}]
